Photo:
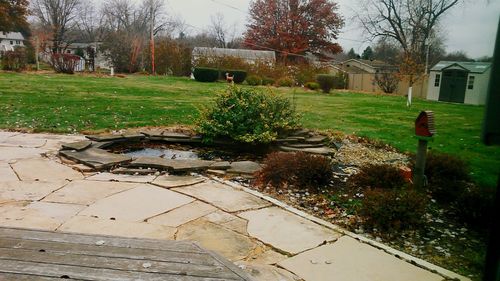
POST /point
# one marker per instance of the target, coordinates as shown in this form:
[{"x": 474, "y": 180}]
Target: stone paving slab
[
  {"x": 44, "y": 170},
  {"x": 122, "y": 178},
  {"x": 268, "y": 257},
  {"x": 266, "y": 272},
  {"x": 183, "y": 214},
  {"x": 286, "y": 231},
  {"x": 84, "y": 192},
  {"x": 176, "y": 165},
  {"x": 244, "y": 167},
  {"x": 78, "y": 146},
  {"x": 27, "y": 190},
  {"x": 230, "y": 244},
  {"x": 347, "y": 259},
  {"x": 88, "y": 225},
  {"x": 6, "y": 173},
  {"x": 223, "y": 196},
  {"x": 36, "y": 215},
  {"x": 24, "y": 140},
  {"x": 95, "y": 157},
  {"x": 137, "y": 204},
  {"x": 170, "y": 181},
  {"x": 11, "y": 154}
]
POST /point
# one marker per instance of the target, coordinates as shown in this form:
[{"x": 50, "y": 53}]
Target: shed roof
[
  {"x": 240, "y": 53},
  {"x": 474, "y": 67},
  {"x": 11, "y": 35}
]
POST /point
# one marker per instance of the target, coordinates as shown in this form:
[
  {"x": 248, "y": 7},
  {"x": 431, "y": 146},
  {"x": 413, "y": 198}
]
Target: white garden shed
[{"x": 459, "y": 82}]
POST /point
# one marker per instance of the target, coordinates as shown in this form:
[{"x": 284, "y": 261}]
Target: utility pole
[{"x": 152, "y": 39}]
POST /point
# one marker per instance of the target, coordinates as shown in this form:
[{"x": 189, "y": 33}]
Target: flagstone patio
[{"x": 269, "y": 240}]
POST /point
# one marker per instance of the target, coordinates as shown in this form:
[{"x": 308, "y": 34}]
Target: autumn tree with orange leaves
[{"x": 294, "y": 27}]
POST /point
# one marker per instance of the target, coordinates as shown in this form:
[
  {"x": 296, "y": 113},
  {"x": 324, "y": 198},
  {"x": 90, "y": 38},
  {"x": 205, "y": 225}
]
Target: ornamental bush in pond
[{"x": 247, "y": 116}]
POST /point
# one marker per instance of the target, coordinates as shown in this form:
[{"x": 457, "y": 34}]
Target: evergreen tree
[{"x": 367, "y": 54}]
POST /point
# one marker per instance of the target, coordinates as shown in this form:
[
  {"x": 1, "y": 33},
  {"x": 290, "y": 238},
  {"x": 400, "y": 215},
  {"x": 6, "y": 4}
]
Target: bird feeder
[{"x": 424, "y": 131}]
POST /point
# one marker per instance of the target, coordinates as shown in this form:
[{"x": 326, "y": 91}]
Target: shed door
[{"x": 453, "y": 86}]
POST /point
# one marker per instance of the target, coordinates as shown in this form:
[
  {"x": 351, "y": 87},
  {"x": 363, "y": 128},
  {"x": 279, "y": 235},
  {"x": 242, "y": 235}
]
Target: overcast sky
[{"x": 470, "y": 27}]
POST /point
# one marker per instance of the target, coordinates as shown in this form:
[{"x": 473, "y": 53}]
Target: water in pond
[
  {"x": 164, "y": 153},
  {"x": 177, "y": 151}
]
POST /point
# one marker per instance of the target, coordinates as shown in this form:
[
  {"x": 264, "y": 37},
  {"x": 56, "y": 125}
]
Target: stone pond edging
[{"x": 92, "y": 153}]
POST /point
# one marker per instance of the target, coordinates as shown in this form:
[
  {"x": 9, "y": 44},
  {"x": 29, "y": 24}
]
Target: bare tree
[
  {"x": 219, "y": 30},
  {"x": 411, "y": 23},
  {"x": 59, "y": 16},
  {"x": 90, "y": 21}
]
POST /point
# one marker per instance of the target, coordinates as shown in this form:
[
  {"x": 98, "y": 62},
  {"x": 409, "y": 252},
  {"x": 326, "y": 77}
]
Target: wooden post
[
  {"x": 37, "y": 43},
  {"x": 418, "y": 174}
]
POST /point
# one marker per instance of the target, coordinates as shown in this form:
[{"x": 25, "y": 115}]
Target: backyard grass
[{"x": 77, "y": 103}]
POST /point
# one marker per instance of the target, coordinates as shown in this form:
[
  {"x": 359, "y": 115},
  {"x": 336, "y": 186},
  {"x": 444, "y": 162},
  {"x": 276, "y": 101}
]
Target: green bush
[
  {"x": 14, "y": 60},
  {"x": 205, "y": 74},
  {"x": 248, "y": 116},
  {"x": 300, "y": 169},
  {"x": 326, "y": 82},
  {"x": 379, "y": 176},
  {"x": 267, "y": 81},
  {"x": 447, "y": 176},
  {"x": 285, "y": 82},
  {"x": 340, "y": 80},
  {"x": 395, "y": 209},
  {"x": 239, "y": 75},
  {"x": 254, "y": 80},
  {"x": 312, "y": 86}
]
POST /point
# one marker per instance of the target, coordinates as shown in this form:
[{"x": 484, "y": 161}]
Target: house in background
[
  {"x": 459, "y": 82},
  {"x": 249, "y": 56},
  {"x": 361, "y": 77},
  {"x": 10, "y": 40}
]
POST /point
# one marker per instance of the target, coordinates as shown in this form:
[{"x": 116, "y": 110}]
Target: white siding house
[
  {"x": 10, "y": 40},
  {"x": 459, "y": 82}
]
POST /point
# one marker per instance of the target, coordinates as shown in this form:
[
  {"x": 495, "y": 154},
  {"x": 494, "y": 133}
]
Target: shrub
[
  {"x": 247, "y": 115},
  {"x": 326, "y": 82},
  {"x": 267, "y": 81},
  {"x": 395, "y": 209},
  {"x": 387, "y": 82},
  {"x": 285, "y": 82},
  {"x": 205, "y": 74},
  {"x": 300, "y": 169},
  {"x": 14, "y": 60},
  {"x": 475, "y": 206},
  {"x": 340, "y": 80},
  {"x": 312, "y": 86},
  {"x": 238, "y": 75},
  {"x": 254, "y": 80},
  {"x": 379, "y": 176},
  {"x": 447, "y": 176},
  {"x": 64, "y": 63}
]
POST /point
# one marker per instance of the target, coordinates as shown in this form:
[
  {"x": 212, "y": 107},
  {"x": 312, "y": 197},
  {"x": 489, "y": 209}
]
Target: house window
[
  {"x": 68, "y": 51},
  {"x": 470, "y": 86},
  {"x": 436, "y": 80},
  {"x": 12, "y": 42},
  {"x": 18, "y": 42}
]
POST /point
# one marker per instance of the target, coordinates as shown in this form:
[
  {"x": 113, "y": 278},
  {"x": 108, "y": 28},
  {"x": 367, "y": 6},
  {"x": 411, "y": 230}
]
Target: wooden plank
[
  {"x": 89, "y": 273},
  {"x": 24, "y": 277},
  {"x": 111, "y": 252},
  {"x": 138, "y": 243},
  {"x": 123, "y": 264},
  {"x": 229, "y": 265}
]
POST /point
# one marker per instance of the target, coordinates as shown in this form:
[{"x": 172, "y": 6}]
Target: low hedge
[
  {"x": 254, "y": 80},
  {"x": 205, "y": 74}
]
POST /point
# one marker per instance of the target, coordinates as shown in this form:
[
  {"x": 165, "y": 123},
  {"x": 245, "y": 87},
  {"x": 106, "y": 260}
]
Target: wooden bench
[{"x": 43, "y": 255}]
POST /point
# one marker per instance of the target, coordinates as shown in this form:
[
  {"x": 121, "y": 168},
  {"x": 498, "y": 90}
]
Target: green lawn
[{"x": 75, "y": 103}]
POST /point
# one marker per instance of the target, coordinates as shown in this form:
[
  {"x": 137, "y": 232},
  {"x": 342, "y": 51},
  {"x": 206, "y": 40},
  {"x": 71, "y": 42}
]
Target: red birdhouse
[{"x": 424, "y": 125}]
